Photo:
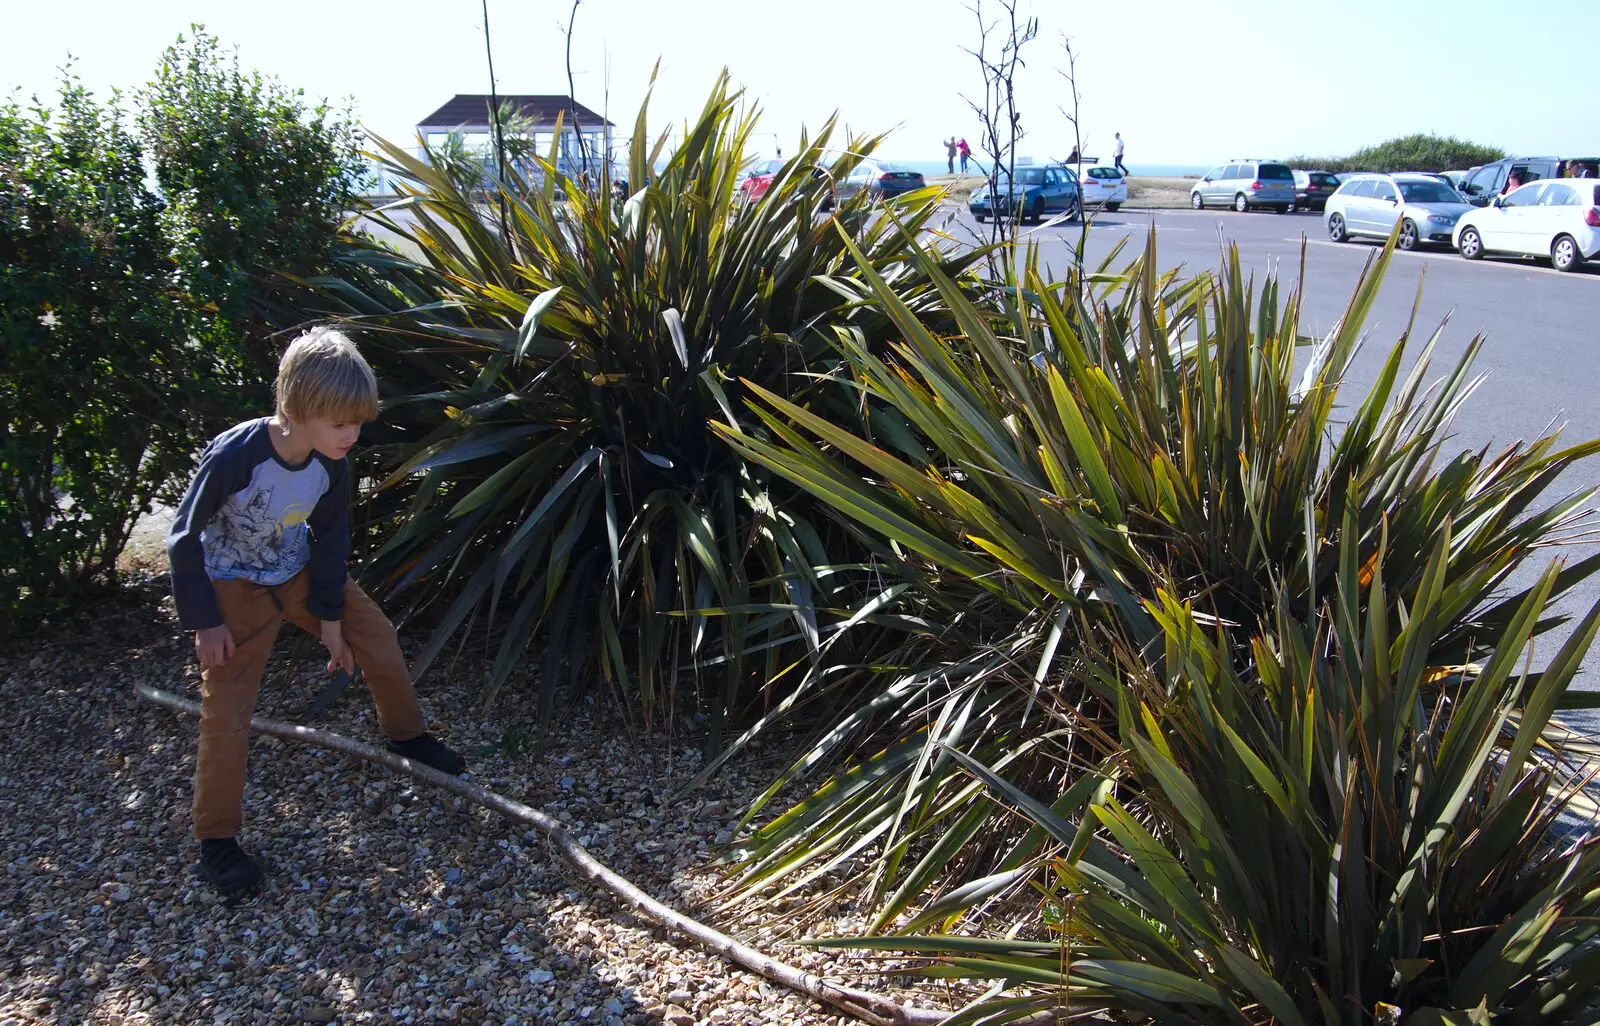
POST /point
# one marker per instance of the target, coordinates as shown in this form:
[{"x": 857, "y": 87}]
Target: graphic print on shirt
[
  {"x": 260, "y": 533},
  {"x": 248, "y": 539}
]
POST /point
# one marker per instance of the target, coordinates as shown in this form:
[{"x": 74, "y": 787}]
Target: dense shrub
[
  {"x": 1419, "y": 152},
  {"x": 255, "y": 182},
  {"x": 93, "y": 367},
  {"x": 138, "y": 323}
]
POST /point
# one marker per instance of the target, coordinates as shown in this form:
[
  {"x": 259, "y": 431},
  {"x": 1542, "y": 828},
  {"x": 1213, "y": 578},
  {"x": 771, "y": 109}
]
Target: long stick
[{"x": 868, "y": 1007}]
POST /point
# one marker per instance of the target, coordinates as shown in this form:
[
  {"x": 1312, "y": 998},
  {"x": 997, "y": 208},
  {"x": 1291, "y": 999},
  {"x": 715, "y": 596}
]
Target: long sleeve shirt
[{"x": 250, "y": 515}]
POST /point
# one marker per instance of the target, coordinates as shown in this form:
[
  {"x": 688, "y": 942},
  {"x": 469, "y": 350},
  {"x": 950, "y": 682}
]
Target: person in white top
[{"x": 1119, "y": 164}]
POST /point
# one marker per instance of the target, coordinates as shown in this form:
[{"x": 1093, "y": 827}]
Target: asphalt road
[{"x": 1541, "y": 328}]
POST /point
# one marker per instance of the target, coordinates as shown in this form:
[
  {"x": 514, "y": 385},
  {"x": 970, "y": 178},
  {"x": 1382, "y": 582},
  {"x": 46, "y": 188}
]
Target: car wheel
[
  {"x": 1241, "y": 203},
  {"x": 1336, "y": 232},
  {"x": 1286, "y": 208},
  {"x": 1408, "y": 235},
  {"x": 980, "y": 218},
  {"x": 1564, "y": 255},
  {"x": 1036, "y": 213},
  {"x": 1197, "y": 201},
  {"x": 1471, "y": 245},
  {"x": 1113, "y": 207}
]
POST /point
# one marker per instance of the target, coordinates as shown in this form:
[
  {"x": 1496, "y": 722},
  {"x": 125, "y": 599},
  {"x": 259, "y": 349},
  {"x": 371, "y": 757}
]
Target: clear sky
[{"x": 1185, "y": 81}]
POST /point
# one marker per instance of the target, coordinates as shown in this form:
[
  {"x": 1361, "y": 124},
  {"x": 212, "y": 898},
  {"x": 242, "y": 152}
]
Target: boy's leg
[
  {"x": 371, "y": 638},
  {"x": 228, "y": 698}
]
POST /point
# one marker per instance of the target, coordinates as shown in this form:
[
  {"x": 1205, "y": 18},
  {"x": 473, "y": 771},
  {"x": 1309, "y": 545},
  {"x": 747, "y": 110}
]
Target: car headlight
[{"x": 1441, "y": 219}]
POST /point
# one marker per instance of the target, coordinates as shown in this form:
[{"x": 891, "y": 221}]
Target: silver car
[
  {"x": 1242, "y": 184},
  {"x": 1426, "y": 208}
]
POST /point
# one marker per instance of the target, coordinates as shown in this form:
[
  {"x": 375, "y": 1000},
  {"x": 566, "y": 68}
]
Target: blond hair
[{"x": 323, "y": 374}]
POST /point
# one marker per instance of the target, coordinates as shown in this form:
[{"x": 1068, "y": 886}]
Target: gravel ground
[{"x": 386, "y": 902}]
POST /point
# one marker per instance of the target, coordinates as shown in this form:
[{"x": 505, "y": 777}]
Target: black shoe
[
  {"x": 227, "y": 868},
  {"x": 430, "y": 751}
]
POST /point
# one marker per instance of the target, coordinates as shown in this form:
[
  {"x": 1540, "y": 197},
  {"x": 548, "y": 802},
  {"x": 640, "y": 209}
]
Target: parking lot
[{"x": 1541, "y": 327}]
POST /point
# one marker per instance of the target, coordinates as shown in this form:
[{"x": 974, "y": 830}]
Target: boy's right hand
[{"x": 213, "y": 646}]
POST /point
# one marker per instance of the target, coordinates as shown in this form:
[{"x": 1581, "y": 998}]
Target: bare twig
[
  {"x": 1071, "y": 75},
  {"x": 863, "y": 1005},
  {"x": 572, "y": 100},
  {"x": 498, "y": 131},
  {"x": 997, "y": 113}
]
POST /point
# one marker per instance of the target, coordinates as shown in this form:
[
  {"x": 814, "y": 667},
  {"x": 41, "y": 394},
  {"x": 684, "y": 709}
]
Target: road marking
[{"x": 1512, "y": 262}]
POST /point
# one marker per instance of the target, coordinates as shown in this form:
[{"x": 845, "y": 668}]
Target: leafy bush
[
  {"x": 1067, "y": 464},
  {"x": 1420, "y": 152},
  {"x": 92, "y": 363},
  {"x": 256, "y": 183},
  {"x": 552, "y": 378},
  {"x": 137, "y": 325}
]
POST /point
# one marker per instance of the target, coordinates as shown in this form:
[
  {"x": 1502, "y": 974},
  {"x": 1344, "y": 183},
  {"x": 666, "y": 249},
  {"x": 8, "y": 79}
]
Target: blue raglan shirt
[{"x": 249, "y": 515}]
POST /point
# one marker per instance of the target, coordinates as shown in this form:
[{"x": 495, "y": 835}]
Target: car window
[
  {"x": 1275, "y": 173},
  {"x": 1361, "y": 188},
  {"x": 1217, "y": 172},
  {"x": 1325, "y": 179},
  {"x": 1525, "y": 196},
  {"x": 1384, "y": 191},
  {"x": 1558, "y": 195},
  {"x": 1480, "y": 182},
  {"x": 1428, "y": 192},
  {"x": 1110, "y": 173},
  {"x": 1527, "y": 172},
  {"x": 1230, "y": 172}
]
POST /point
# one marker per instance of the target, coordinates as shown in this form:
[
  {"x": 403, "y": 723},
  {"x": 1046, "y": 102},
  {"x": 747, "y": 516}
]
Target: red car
[{"x": 759, "y": 180}]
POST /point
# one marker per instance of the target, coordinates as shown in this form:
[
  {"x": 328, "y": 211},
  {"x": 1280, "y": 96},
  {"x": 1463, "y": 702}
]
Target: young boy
[{"x": 261, "y": 536}]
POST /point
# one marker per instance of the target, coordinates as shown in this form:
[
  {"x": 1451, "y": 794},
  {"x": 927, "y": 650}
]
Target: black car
[{"x": 1312, "y": 189}]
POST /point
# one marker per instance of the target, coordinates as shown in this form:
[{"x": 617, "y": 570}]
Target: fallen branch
[{"x": 872, "y": 1008}]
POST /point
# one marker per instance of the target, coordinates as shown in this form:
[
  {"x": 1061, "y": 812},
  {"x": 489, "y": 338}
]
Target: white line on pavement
[{"x": 1515, "y": 265}]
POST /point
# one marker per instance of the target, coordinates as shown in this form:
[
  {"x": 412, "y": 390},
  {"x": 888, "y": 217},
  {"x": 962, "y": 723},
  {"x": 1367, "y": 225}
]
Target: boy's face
[{"x": 333, "y": 438}]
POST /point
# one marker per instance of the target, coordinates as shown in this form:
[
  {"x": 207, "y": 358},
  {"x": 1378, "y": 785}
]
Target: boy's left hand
[{"x": 339, "y": 654}]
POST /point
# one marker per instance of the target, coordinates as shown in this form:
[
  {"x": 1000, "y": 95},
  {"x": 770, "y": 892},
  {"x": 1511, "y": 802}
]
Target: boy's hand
[
  {"x": 339, "y": 654},
  {"x": 213, "y": 646}
]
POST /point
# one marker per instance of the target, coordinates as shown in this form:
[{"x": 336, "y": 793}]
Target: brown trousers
[{"x": 252, "y": 613}]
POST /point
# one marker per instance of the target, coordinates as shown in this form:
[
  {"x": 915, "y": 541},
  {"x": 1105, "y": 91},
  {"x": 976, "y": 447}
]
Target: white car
[
  {"x": 1557, "y": 218},
  {"x": 1103, "y": 185}
]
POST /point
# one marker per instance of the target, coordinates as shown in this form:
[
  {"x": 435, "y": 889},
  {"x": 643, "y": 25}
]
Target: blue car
[{"x": 1034, "y": 194}]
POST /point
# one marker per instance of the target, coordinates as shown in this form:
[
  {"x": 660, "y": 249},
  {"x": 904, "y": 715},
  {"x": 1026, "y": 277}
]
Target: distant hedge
[{"x": 1409, "y": 153}]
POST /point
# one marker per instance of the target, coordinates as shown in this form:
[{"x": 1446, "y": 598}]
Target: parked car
[
  {"x": 1103, "y": 185},
  {"x": 760, "y": 177},
  {"x": 1558, "y": 218},
  {"x": 879, "y": 179},
  {"x": 1457, "y": 177},
  {"x": 1490, "y": 180},
  {"x": 1426, "y": 208},
  {"x": 1312, "y": 189},
  {"x": 1243, "y": 184},
  {"x": 1035, "y": 193}
]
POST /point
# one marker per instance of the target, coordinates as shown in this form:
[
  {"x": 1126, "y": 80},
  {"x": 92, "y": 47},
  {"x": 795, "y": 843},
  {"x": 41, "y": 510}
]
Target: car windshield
[
  {"x": 1104, "y": 172},
  {"x": 1324, "y": 179},
  {"x": 1275, "y": 172},
  {"x": 1429, "y": 192}
]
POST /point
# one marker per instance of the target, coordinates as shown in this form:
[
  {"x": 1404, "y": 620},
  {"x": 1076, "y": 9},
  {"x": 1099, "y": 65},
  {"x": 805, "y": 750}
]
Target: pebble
[{"x": 353, "y": 924}]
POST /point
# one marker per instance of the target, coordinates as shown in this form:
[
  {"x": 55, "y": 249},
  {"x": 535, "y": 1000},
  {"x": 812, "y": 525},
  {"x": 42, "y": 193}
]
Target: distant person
[
  {"x": 1120, "y": 166},
  {"x": 1073, "y": 158},
  {"x": 950, "y": 154},
  {"x": 966, "y": 154}
]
